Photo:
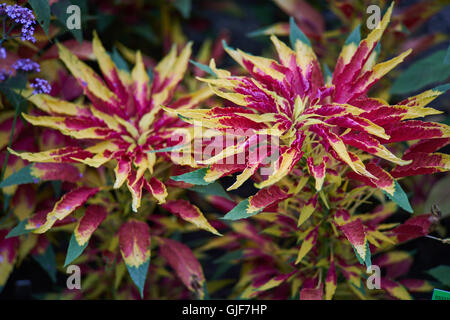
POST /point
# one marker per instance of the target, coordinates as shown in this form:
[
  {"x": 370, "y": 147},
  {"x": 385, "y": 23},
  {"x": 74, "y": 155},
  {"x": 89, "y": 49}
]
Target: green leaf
[
  {"x": 400, "y": 198},
  {"x": 355, "y": 36},
  {"x": 203, "y": 67},
  {"x": 20, "y": 177},
  {"x": 441, "y": 273},
  {"x": 212, "y": 189},
  {"x": 6, "y": 201},
  {"x": 240, "y": 211},
  {"x": 404, "y": 29},
  {"x": 47, "y": 261},
  {"x": 9, "y": 87},
  {"x": 146, "y": 32},
  {"x": 18, "y": 230},
  {"x": 230, "y": 256},
  {"x": 104, "y": 21},
  {"x": 296, "y": 34},
  {"x": 327, "y": 72},
  {"x": 150, "y": 74},
  {"x": 258, "y": 32},
  {"x": 178, "y": 146},
  {"x": 183, "y": 118},
  {"x": 138, "y": 275},
  {"x": 19, "y": 81},
  {"x": 447, "y": 56},
  {"x": 442, "y": 88},
  {"x": 377, "y": 49},
  {"x": 42, "y": 10},
  {"x": 225, "y": 45},
  {"x": 195, "y": 177},
  {"x": 57, "y": 184},
  {"x": 225, "y": 262},
  {"x": 119, "y": 61},
  {"x": 422, "y": 73},
  {"x": 360, "y": 288},
  {"x": 74, "y": 250},
  {"x": 184, "y": 7},
  {"x": 219, "y": 271},
  {"x": 205, "y": 291}
]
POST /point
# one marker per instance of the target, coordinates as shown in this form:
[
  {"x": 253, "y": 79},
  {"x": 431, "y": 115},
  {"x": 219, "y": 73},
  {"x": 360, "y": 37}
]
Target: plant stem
[{"x": 5, "y": 163}]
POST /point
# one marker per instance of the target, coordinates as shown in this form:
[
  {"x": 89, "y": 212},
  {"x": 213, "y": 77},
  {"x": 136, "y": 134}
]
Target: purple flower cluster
[
  {"x": 4, "y": 74},
  {"x": 40, "y": 86},
  {"x": 2, "y": 53},
  {"x": 26, "y": 65},
  {"x": 22, "y": 16}
]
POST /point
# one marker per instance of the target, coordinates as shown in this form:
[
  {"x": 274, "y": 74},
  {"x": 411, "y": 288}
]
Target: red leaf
[{"x": 185, "y": 264}]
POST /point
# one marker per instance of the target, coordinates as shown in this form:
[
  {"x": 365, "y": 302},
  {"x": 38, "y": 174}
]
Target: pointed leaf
[
  {"x": 195, "y": 177},
  {"x": 212, "y": 189},
  {"x": 190, "y": 213},
  {"x": 240, "y": 211},
  {"x": 423, "y": 72},
  {"x": 86, "y": 226},
  {"x": 42, "y": 10},
  {"x": 184, "y": 6},
  {"x": 400, "y": 198},
  {"x": 255, "y": 204},
  {"x": 19, "y": 229},
  {"x": 45, "y": 256},
  {"x": 185, "y": 264},
  {"x": 119, "y": 61},
  {"x": 65, "y": 206},
  {"x": 74, "y": 250},
  {"x": 134, "y": 241},
  {"x": 308, "y": 243},
  {"x": 295, "y": 34},
  {"x": 36, "y": 172},
  {"x": 203, "y": 67}
]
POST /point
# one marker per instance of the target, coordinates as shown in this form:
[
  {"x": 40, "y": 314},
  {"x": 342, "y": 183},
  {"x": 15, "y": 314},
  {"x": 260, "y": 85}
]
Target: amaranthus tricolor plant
[
  {"x": 117, "y": 169},
  {"x": 330, "y": 133}
]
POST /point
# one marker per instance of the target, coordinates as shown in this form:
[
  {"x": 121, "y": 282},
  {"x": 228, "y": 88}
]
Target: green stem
[
  {"x": 5, "y": 36},
  {"x": 5, "y": 163}
]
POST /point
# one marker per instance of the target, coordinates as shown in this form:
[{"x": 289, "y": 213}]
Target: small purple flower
[
  {"x": 26, "y": 65},
  {"x": 2, "y": 53},
  {"x": 40, "y": 86},
  {"x": 22, "y": 16},
  {"x": 4, "y": 74}
]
